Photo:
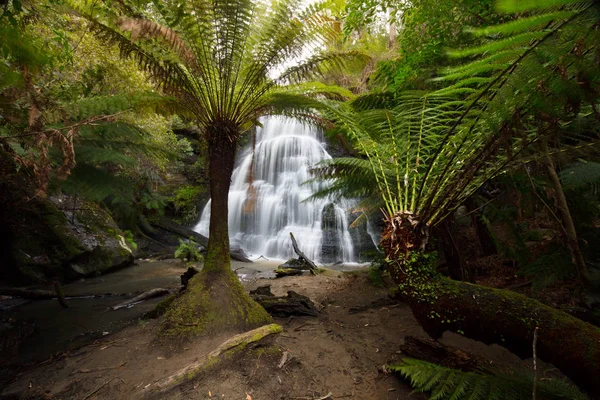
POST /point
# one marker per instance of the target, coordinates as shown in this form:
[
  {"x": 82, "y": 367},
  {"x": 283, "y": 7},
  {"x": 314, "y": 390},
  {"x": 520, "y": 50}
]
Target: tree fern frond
[
  {"x": 523, "y": 24},
  {"x": 321, "y": 63},
  {"x": 522, "y": 39},
  {"x": 514, "y": 6},
  {"x": 450, "y": 384},
  {"x": 113, "y": 104},
  {"x": 145, "y": 29}
]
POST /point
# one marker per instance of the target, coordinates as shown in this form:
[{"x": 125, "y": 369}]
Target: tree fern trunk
[
  {"x": 489, "y": 315},
  {"x": 509, "y": 320},
  {"x": 221, "y": 157},
  {"x": 215, "y": 300}
]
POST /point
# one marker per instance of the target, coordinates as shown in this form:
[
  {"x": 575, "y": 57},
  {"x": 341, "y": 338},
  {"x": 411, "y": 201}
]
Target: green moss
[
  {"x": 160, "y": 308},
  {"x": 214, "y": 301},
  {"x": 43, "y": 242}
]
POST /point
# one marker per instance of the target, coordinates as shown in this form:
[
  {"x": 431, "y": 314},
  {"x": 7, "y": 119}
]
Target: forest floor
[{"x": 339, "y": 353}]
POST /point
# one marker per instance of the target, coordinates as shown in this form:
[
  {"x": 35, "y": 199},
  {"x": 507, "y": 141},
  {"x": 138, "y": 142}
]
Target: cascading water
[{"x": 261, "y": 217}]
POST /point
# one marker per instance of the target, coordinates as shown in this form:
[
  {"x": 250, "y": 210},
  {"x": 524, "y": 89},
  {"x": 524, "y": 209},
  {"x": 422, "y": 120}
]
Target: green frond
[
  {"x": 114, "y": 104},
  {"x": 514, "y": 6},
  {"x": 523, "y": 24},
  {"x": 321, "y": 63},
  {"x": 450, "y": 384},
  {"x": 319, "y": 90},
  {"x": 522, "y": 39},
  {"x": 95, "y": 183},
  {"x": 581, "y": 175}
]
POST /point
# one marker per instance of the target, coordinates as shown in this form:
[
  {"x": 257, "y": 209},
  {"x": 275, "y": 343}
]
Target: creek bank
[{"x": 339, "y": 351}]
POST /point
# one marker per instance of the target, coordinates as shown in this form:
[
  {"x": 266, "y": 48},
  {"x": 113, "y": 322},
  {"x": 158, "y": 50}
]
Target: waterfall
[{"x": 262, "y": 217}]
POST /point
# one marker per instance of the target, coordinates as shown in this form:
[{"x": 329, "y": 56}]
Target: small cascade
[{"x": 262, "y": 216}]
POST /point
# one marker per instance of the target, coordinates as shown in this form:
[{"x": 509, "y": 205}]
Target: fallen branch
[
  {"x": 89, "y": 371},
  {"x": 313, "y": 266},
  {"x": 97, "y": 390},
  {"x": 447, "y": 356},
  {"x": 509, "y": 319},
  {"x": 192, "y": 370},
  {"x": 32, "y": 294},
  {"x": 144, "y": 296}
]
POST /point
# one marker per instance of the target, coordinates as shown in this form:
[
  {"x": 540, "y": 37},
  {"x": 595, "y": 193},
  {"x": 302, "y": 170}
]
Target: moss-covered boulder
[{"x": 63, "y": 238}]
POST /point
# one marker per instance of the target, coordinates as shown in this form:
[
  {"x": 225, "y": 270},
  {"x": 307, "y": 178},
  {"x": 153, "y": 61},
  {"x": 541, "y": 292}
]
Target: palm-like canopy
[
  {"x": 534, "y": 81},
  {"x": 226, "y": 63},
  {"x": 222, "y": 59}
]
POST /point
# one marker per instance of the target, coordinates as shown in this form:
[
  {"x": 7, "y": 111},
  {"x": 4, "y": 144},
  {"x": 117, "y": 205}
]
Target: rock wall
[{"x": 62, "y": 238}]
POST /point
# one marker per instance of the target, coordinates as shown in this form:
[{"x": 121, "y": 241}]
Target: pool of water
[{"x": 89, "y": 317}]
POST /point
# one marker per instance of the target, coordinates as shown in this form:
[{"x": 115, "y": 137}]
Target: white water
[{"x": 261, "y": 224}]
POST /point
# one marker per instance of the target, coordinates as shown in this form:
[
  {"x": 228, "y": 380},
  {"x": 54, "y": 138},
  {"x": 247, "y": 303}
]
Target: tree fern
[{"x": 449, "y": 384}]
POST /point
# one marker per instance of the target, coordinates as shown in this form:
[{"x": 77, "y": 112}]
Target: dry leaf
[{"x": 248, "y": 397}]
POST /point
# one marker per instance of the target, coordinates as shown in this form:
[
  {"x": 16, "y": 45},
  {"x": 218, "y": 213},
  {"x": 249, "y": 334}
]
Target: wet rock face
[
  {"x": 331, "y": 247},
  {"x": 364, "y": 246},
  {"x": 66, "y": 238}
]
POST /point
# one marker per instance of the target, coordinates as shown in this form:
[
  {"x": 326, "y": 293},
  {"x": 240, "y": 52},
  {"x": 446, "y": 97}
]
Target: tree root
[{"x": 235, "y": 343}]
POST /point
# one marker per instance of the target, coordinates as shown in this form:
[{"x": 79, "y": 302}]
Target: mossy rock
[{"x": 49, "y": 242}]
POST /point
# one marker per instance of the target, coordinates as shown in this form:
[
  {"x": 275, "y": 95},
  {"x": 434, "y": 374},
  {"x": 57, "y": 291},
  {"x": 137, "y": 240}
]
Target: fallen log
[
  {"x": 170, "y": 226},
  {"x": 144, "y": 296},
  {"x": 281, "y": 272},
  {"x": 292, "y": 304},
  {"x": 447, "y": 356},
  {"x": 32, "y": 294},
  {"x": 301, "y": 256},
  {"x": 510, "y": 320},
  {"x": 192, "y": 370}
]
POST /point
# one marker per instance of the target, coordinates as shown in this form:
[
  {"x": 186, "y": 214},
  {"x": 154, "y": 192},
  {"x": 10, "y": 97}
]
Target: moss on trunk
[
  {"x": 215, "y": 299},
  {"x": 213, "y": 302},
  {"x": 509, "y": 319},
  {"x": 499, "y": 316}
]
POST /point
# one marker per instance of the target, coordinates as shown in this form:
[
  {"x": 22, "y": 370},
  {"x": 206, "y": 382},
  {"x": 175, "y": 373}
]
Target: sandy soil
[{"x": 340, "y": 352}]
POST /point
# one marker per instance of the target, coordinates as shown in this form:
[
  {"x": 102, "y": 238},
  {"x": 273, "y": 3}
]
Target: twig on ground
[
  {"x": 97, "y": 390},
  {"x": 284, "y": 359},
  {"x": 535, "y": 338},
  {"x": 88, "y": 371}
]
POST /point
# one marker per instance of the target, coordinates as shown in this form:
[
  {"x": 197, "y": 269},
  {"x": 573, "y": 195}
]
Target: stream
[{"x": 90, "y": 317}]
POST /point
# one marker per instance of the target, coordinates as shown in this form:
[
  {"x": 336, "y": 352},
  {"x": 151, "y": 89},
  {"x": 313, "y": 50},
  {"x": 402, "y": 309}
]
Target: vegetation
[
  {"x": 448, "y": 383},
  {"x": 188, "y": 250},
  {"x": 472, "y": 118}
]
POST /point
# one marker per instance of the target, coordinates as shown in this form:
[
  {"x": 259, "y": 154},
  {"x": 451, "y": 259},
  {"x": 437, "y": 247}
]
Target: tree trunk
[
  {"x": 170, "y": 226},
  {"x": 490, "y": 315},
  {"x": 215, "y": 299},
  {"x": 509, "y": 319},
  {"x": 571, "y": 233},
  {"x": 457, "y": 268},
  {"x": 221, "y": 157},
  {"x": 447, "y": 356},
  {"x": 391, "y": 30},
  {"x": 486, "y": 242}
]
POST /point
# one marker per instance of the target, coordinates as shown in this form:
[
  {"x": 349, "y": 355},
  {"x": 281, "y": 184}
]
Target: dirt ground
[{"x": 341, "y": 353}]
